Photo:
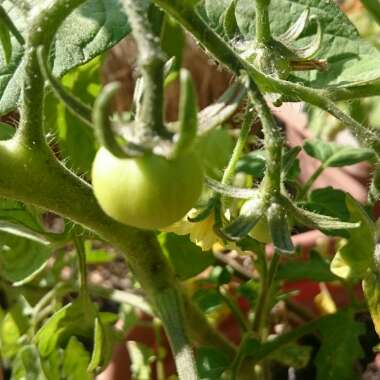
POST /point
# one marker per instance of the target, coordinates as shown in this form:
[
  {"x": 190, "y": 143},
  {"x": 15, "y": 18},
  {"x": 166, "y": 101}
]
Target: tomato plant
[{"x": 223, "y": 193}]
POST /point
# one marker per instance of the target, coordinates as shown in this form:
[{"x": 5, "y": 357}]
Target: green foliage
[
  {"x": 69, "y": 130},
  {"x": 371, "y": 288},
  {"x": 187, "y": 258},
  {"x": 90, "y": 30},
  {"x": 211, "y": 363},
  {"x": 341, "y": 42},
  {"x": 333, "y": 155},
  {"x": 315, "y": 268},
  {"x": 356, "y": 255},
  {"x": 53, "y": 329},
  {"x": 340, "y": 347},
  {"x": 22, "y": 259},
  {"x": 74, "y": 319}
]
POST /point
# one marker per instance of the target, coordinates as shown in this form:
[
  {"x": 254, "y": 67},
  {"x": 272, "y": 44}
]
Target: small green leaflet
[
  {"x": 91, "y": 29},
  {"x": 334, "y": 155}
]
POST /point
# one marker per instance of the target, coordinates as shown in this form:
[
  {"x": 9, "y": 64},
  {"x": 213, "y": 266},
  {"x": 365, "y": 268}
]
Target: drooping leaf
[
  {"x": 91, "y": 29},
  {"x": 253, "y": 164},
  {"x": 340, "y": 347},
  {"x": 355, "y": 257}
]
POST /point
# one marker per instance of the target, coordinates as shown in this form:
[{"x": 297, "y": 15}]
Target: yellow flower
[{"x": 201, "y": 233}]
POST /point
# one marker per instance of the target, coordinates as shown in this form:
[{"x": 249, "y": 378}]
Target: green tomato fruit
[
  {"x": 147, "y": 192},
  {"x": 215, "y": 149}
]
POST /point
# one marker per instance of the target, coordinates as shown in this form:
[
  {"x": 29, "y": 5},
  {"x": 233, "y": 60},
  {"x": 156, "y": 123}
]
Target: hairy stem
[
  {"x": 151, "y": 61},
  {"x": 309, "y": 183},
  {"x": 188, "y": 17},
  {"x": 40, "y": 33},
  {"x": 239, "y": 146},
  {"x": 263, "y": 34}
]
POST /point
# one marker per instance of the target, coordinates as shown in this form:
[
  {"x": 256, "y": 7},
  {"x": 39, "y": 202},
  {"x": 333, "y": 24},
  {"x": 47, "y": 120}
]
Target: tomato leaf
[
  {"x": 333, "y": 155},
  {"x": 75, "y": 361},
  {"x": 13, "y": 326},
  {"x": 315, "y": 269},
  {"x": 211, "y": 363},
  {"x": 187, "y": 258},
  {"x": 371, "y": 288},
  {"x": 355, "y": 257},
  {"x": 340, "y": 347},
  {"x": 350, "y": 58},
  {"x": 91, "y": 29},
  {"x": 21, "y": 259},
  {"x": 74, "y": 319},
  {"x": 71, "y": 132},
  {"x": 292, "y": 355}
]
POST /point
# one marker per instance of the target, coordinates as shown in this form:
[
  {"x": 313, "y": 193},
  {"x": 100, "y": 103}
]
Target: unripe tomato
[
  {"x": 147, "y": 192},
  {"x": 214, "y": 149}
]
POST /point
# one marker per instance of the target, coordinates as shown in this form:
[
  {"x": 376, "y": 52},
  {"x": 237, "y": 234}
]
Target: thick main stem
[{"x": 30, "y": 173}]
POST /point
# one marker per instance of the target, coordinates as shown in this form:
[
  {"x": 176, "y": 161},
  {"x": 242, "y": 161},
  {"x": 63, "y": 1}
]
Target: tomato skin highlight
[{"x": 148, "y": 192}]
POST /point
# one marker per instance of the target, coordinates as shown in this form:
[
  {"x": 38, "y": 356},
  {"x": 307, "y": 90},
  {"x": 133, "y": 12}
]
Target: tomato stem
[
  {"x": 188, "y": 115},
  {"x": 151, "y": 62},
  {"x": 73, "y": 104},
  {"x": 263, "y": 34},
  {"x": 41, "y": 32}
]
